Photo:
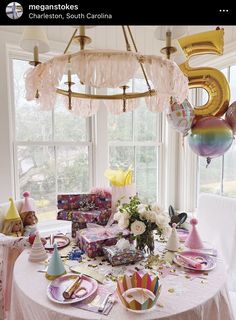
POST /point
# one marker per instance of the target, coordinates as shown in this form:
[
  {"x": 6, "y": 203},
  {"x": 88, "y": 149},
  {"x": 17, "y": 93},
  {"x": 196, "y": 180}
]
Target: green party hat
[{"x": 56, "y": 267}]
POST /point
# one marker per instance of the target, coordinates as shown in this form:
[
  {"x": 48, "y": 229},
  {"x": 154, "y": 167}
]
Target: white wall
[
  {"x": 6, "y": 168},
  {"x": 9, "y": 43}
]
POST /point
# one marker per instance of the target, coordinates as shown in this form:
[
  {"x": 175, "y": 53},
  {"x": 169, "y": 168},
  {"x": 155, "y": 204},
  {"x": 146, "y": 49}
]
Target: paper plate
[
  {"x": 208, "y": 262},
  {"x": 62, "y": 242},
  {"x": 58, "y": 286}
]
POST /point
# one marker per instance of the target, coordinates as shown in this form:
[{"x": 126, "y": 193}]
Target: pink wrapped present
[
  {"x": 93, "y": 239},
  {"x": 76, "y": 201},
  {"x": 65, "y": 215},
  {"x": 103, "y": 202},
  {"x": 81, "y": 218}
]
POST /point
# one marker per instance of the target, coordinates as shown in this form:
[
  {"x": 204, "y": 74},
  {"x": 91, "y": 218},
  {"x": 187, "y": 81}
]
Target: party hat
[
  {"x": 38, "y": 253},
  {"x": 12, "y": 212},
  {"x": 194, "y": 241},
  {"x": 173, "y": 241},
  {"x": 55, "y": 267},
  {"x": 27, "y": 206}
]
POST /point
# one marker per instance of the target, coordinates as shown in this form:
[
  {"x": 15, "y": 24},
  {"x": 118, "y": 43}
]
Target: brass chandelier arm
[
  {"x": 126, "y": 39},
  {"x": 140, "y": 61},
  {"x": 70, "y": 41},
  {"x": 130, "y": 95}
]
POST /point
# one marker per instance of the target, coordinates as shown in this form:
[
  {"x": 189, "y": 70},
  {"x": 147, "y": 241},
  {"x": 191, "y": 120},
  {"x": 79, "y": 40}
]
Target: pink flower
[{"x": 101, "y": 192}]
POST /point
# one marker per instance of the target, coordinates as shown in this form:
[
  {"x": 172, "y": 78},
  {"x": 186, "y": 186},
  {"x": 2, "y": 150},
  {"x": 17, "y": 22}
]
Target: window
[
  {"x": 52, "y": 149},
  {"x": 54, "y": 153},
  {"x": 134, "y": 139},
  {"x": 220, "y": 176}
]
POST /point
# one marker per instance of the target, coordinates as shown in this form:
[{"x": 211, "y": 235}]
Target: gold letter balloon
[{"x": 210, "y": 79}]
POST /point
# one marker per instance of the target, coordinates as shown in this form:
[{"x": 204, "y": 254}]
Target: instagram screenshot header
[
  {"x": 65, "y": 11},
  {"x": 85, "y": 12}
]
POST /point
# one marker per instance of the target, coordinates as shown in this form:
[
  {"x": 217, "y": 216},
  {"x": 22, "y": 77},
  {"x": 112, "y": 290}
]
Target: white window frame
[
  {"x": 101, "y": 149},
  {"x": 192, "y": 177},
  {"x": 12, "y": 54}
]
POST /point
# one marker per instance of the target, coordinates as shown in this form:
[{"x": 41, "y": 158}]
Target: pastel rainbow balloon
[{"x": 210, "y": 137}]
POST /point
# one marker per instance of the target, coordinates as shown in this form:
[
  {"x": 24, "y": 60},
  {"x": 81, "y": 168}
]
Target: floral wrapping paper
[
  {"x": 81, "y": 218},
  {"x": 84, "y": 208},
  {"x": 93, "y": 241},
  {"x": 118, "y": 256},
  {"x": 76, "y": 201},
  {"x": 83, "y": 202}
]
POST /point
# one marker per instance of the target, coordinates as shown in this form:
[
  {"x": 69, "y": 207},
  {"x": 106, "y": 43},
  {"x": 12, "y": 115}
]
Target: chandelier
[{"x": 101, "y": 69}]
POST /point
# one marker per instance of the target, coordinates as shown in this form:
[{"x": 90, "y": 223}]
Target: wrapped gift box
[
  {"x": 118, "y": 256},
  {"x": 65, "y": 215},
  {"x": 76, "y": 201},
  {"x": 81, "y": 218},
  {"x": 92, "y": 240},
  {"x": 102, "y": 202}
]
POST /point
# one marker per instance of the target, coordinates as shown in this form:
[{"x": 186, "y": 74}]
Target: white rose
[
  {"x": 157, "y": 208},
  {"x": 144, "y": 215},
  {"x": 137, "y": 227},
  {"x": 125, "y": 214},
  {"x": 141, "y": 208},
  {"x": 162, "y": 220},
  {"x": 152, "y": 216},
  {"x": 123, "y": 223}
]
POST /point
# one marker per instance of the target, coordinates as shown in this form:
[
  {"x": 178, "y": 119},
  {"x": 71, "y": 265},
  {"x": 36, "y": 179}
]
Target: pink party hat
[
  {"x": 27, "y": 206},
  {"x": 194, "y": 241}
]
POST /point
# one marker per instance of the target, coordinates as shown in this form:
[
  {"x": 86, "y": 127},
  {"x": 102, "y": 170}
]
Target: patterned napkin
[{"x": 94, "y": 305}]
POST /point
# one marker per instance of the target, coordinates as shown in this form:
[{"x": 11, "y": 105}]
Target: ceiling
[{"x": 111, "y": 37}]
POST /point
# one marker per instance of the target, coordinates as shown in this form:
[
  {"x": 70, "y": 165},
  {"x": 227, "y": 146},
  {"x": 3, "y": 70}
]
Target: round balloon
[
  {"x": 180, "y": 116},
  {"x": 210, "y": 137},
  {"x": 230, "y": 116}
]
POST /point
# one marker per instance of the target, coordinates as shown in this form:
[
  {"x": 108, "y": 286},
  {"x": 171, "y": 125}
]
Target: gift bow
[{"x": 101, "y": 230}]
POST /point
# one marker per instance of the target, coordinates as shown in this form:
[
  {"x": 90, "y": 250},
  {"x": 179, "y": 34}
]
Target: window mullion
[
  {"x": 222, "y": 175},
  {"x": 55, "y": 168}
]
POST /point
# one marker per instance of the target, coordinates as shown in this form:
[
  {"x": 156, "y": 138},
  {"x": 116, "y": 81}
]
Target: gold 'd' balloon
[{"x": 210, "y": 79}]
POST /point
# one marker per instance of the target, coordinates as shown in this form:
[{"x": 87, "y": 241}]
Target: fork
[
  {"x": 102, "y": 306},
  {"x": 109, "y": 304}
]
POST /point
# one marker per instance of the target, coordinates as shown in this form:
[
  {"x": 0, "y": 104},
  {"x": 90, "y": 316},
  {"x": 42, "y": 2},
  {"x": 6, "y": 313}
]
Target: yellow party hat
[{"x": 12, "y": 212}]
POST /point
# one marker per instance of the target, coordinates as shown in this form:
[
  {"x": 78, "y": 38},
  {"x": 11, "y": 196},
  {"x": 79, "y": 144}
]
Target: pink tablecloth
[{"x": 196, "y": 299}]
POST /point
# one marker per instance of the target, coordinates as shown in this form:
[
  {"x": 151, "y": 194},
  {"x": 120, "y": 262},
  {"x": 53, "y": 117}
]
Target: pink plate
[
  {"x": 58, "y": 286},
  {"x": 62, "y": 241},
  {"x": 183, "y": 234},
  {"x": 208, "y": 262}
]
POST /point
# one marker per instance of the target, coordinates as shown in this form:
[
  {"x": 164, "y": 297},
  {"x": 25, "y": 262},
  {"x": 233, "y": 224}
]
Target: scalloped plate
[
  {"x": 208, "y": 262},
  {"x": 56, "y": 288},
  {"x": 62, "y": 242}
]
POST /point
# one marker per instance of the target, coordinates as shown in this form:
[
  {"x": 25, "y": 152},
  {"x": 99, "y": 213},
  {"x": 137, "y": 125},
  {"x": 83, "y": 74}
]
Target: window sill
[{"x": 54, "y": 226}]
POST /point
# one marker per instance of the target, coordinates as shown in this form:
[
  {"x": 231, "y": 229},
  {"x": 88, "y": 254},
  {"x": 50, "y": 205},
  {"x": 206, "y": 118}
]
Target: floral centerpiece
[{"x": 142, "y": 219}]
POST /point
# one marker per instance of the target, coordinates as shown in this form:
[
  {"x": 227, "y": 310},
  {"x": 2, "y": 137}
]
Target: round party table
[{"x": 181, "y": 298}]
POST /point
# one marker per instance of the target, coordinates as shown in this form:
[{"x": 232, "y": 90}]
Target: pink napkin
[{"x": 195, "y": 264}]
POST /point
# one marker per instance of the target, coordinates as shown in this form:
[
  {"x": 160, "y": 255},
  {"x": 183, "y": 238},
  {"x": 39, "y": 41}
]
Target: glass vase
[{"x": 145, "y": 242}]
